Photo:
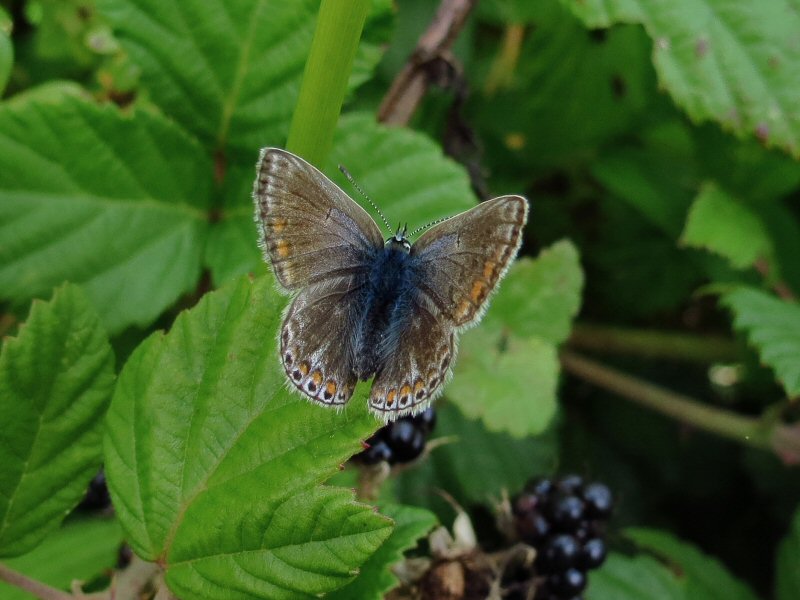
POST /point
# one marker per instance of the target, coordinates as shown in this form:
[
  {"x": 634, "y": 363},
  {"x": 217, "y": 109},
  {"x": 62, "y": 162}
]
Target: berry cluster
[
  {"x": 564, "y": 519},
  {"x": 401, "y": 441}
]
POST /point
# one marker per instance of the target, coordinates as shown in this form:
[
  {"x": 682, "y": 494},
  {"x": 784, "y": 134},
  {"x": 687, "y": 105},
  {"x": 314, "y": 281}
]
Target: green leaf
[
  {"x": 733, "y": 62},
  {"x": 6, "y": 48},
  {"x": 227, "y": 70},
  {"x": 214, "y": 465},
  {"x": 540, "y": 297},
  {"x": 787, "y": 573},
  {"x": 55, "y": 381},
  {"x": 474, "y": 464},
  {"x": 719, "y": 223},
  {"x": 507, "y": 381},
  {"x": 637, "y": 578},
  {"x": 507, "y": 369},
  {"x": 536, "y": 114},
  {"x": 404, "y": 172},
  {"x": 112, "y": 200},
  {"x": 375, "y": 579},
  {"x": 773, "y": 327},
  {"x": 81, "y": 549},
  {"x": 706, "y": 578}
]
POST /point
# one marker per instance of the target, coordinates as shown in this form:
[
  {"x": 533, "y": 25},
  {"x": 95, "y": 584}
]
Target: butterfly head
[{"x": 399, "y": 240}]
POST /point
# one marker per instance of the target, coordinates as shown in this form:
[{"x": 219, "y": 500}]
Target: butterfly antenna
[
  {"x": 352, "y": 181},
  {"x": 431, "y": 224}
]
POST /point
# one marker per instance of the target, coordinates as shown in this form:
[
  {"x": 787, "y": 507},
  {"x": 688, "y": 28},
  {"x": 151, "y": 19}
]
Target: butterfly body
[
  {"x": 367, "y": 307},
  {"x": 387, "y": 309}
]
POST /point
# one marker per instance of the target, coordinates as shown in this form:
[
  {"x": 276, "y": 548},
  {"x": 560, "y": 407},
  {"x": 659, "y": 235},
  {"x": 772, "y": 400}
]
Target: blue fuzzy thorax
[{"x": 386, "y": 305}]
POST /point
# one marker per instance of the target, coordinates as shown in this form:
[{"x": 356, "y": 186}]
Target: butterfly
[{"x": 365, "y": 306}]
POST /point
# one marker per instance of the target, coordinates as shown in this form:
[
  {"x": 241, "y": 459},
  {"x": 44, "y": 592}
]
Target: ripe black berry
[
  {"x": 426, "y": 420},
  {"x": 598, "y": 500},
  {"x": 97, "y": 496},
  {"x": 568, "y": 583},
  {"x": 378, "y": 451},
  {"x": 406, "y": 441},
  {"x": 559, "y": 554},
  {"x": 541, "y": 487},
  {"x": 533, "y": 528},
  {"x": 566, "y": 512},
  {"x": 593, "y": 554},
  {"x": 570, "y": 484}
]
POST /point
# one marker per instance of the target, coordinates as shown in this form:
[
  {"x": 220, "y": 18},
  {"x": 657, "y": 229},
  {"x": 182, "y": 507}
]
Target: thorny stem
[
  {"x": 747, "y": 430},
  {"x": 37, "y": 588},
  {"x": 411, "y": 83},
  {"x": 654, "y": 344}
]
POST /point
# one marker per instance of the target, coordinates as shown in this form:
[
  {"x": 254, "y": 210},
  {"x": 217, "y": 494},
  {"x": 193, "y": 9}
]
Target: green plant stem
[
  {"x": 654, "y": 344},
  {"x": 746, "y": 430},
  {"x": 32, "y": 586},
  {"x": 327, "y": 71}
]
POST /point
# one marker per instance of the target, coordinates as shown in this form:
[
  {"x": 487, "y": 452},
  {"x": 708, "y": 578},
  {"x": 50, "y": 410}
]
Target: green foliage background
[{"x": 658, "y": 143}]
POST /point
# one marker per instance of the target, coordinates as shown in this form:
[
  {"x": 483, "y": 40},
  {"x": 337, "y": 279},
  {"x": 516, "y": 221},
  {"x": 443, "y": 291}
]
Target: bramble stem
[
  {"x": 37, "y": 588},
  {"x": 325, "y": 78},
  {"x": 747, "y": 430},
  {"x": 654, "y": 344}
]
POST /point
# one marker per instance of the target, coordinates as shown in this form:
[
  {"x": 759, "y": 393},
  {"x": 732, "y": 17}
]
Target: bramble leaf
[
  {"x": 705, "y": 577},
  {"x": 376, "y": 578},
  {"x": 228, "y": 70},
  {"x": 109, "y": 199},
  {"x": 736, "y": 63},
  {"x": 773, "y": 327},
  {"x": 214, "y": 465},
  {"x": 56, "y": 378},
  {"x": 81, "y": 549}
]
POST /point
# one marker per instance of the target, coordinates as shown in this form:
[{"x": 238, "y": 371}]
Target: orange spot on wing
[
  {"x": 478, "y": 291},
  {"x": 304, "y": 368},
  {"x": 488, "y": 269},
  {"x": 279, "y": 225},
  {"x": 463, "y": 310},
  {"x": 330, "y": 387},
  {"x": 316, "y": 377},
  {"x": 390, "y": 397},
  {"x": 405, "y": 390},
  {"x": 282, "y": 248}
]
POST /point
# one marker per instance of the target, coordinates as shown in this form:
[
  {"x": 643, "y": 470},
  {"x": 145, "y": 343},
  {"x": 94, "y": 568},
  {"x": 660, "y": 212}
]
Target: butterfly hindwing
[
  {"x": 417, "y": 371},
  {"x": 460, "y": 262},
  {"x": 310, "y": 229},
  {"x": 316, "y": 352}
]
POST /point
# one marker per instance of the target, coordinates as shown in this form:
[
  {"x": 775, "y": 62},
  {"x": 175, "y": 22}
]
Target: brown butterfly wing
[
  {"x": 316, "y": 350},
  {"x": 310, "y": 229},
  {"x": 462, "y": 260}
]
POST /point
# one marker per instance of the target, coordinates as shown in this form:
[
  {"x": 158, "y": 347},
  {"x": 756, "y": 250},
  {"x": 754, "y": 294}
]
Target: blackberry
[
  {"x": 559, "y": 553},
  {"x": 569, "y": 583},
  {"x": 378, "y": 451},
  {"x": 598, "y": 500},
  {"x": 400, "y": 441},
  {"x": 406, "y": 440},
  {"x": 593, "y": 554},
  {"x": 565, "y": 512},
  {"x": 97, "y": 496},
  {"x": 564, "y": 519},
  {"x": 426, "y": 420}
]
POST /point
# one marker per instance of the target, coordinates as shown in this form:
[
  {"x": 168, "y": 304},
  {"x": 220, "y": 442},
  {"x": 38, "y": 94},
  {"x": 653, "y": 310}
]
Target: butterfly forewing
[
  {"x": 461, "y": 261},
  {"x": 310, "y": 229}
]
